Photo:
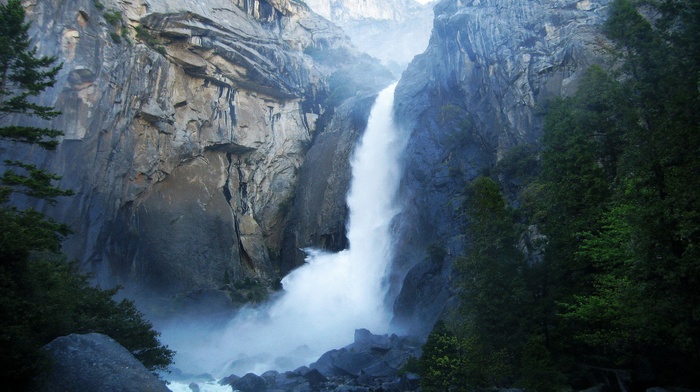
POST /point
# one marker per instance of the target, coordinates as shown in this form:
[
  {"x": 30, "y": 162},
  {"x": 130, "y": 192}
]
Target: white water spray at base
[{"x": 330, "y": 296}]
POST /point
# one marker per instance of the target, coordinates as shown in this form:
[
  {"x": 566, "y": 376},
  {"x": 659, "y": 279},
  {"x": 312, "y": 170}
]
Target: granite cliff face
[
  {"x": 466, "y": 101},
  {"x": 185, "y": 125}
]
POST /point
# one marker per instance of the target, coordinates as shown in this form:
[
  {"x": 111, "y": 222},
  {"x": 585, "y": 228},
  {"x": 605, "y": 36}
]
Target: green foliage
[
  {"x": 31, "y": 135},
  {"x": 412, "y": 365},
  {"x": 440, "y": 363},
  {"x": 125, "y": 34},
  {"x": 497, "y": 310},
  {"x": 22, "y": 74},
  {"x": 113, "y": 17},
  {"x": 436, "y": 253},
  {"x": 144, "y": 35},
  {"x": 63, "y": 302},
  {"x": 116, "y": 38},
  {"x": 98, "y": 5},
  {"x": 520, "y": 164},
  {"x": 36, "y": 183},
  {"x": 492, "y": 288},
  {"x": 462, "y": 132},
  {"x": 539, "y": 371},
  {"x": 643, "y": 255},
  {"x": 252, "y": 290},
  {"x": 51, "y": 299}
]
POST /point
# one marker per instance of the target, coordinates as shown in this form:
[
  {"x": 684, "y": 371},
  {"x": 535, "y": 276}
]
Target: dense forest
[
  {"x": 42, "y": 295},
  {"x": 582, "y": 258}
]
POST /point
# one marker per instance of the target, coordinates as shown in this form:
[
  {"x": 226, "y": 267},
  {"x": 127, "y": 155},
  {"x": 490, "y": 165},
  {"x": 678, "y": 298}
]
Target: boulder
[
  {"x": 371, "y": 361},
  {"x": 250, "y": 383},
  {"x": 94, "y": 362}
]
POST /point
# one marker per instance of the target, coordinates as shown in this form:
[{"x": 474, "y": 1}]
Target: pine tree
[{"x": 23, "y": 76}]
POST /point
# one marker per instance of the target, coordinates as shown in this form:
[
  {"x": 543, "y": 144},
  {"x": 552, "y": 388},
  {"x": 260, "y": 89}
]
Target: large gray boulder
[{"x": 95, "y": 362}]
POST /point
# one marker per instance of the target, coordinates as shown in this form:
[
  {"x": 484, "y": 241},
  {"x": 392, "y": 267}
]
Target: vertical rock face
[
  {"x": 319, "y": 215},
  {"x": 467, "y": 100},
  {"x": 185, "y": 126}
]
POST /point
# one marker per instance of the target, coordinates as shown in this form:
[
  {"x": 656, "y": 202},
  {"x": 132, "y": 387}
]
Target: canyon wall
[
  {"x": 475, "y": 93},
  {"x": 186, "y": 124}
]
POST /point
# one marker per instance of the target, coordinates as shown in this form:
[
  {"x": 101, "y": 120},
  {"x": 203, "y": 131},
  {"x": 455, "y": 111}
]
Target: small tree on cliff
[{"x": 42, "y": 296}]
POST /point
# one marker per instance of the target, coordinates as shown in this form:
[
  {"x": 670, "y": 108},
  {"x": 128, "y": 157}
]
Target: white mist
[{"x": 330, "y": 296}]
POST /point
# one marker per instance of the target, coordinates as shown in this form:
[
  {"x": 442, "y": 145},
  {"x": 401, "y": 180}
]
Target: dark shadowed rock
[
  {"x": 250, "y": 383},
  {"x": 366, "y": 341},
  {"x": 355, "y": 362},
  {"x": 324, "y": 364},
  {"x": 372, "y": 362},
  {"x": 95, "y": 362},
  {"x": 314, "y": 377},
  {"x": 319, "y": 215}
]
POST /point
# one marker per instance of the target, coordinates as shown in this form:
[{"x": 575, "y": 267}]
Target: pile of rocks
[{"x": 371, "y": 363}]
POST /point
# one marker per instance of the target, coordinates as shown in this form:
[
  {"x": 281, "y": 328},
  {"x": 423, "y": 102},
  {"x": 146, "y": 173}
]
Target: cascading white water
[{"x": 325, "y": 300}]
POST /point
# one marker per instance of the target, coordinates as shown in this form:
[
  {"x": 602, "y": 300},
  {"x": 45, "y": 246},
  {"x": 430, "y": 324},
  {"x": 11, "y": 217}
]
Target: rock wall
[
  {"x": 467, "y": 100},
  {"x": 319, "y": 216},
  {"x": 185, "y": 126}
]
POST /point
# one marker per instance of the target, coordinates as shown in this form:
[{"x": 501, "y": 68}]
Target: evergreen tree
[
  {"x": 643, "y": 304},
  {"x": 493, "y": 289},
  {"x": 23, "y": 75},
  {"x": 440, "y": 363}
]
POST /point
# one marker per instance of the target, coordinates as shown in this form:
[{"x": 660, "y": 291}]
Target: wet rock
[
  {"x": 94, "y": 362},
  {"x": 250, "y": 383}
]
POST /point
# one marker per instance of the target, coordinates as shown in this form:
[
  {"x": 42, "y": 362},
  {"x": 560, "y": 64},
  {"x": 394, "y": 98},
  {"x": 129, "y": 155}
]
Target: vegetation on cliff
[
  {"x": 616, "y": 199},
  {"x": 41, "y": 295}
]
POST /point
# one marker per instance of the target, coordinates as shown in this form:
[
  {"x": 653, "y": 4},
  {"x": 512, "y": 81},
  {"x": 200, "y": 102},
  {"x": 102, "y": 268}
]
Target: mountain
[
  {"x": 186, "y": 125},
  {"x": 393, "y": 31},
  {"x": 343, "y": 11},
  {"x": 467, "y": 100},
  {"x": 208, "y": 143}
]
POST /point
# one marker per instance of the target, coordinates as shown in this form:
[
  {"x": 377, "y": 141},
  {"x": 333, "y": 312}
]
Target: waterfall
[{"x": 332, "y": 294}]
